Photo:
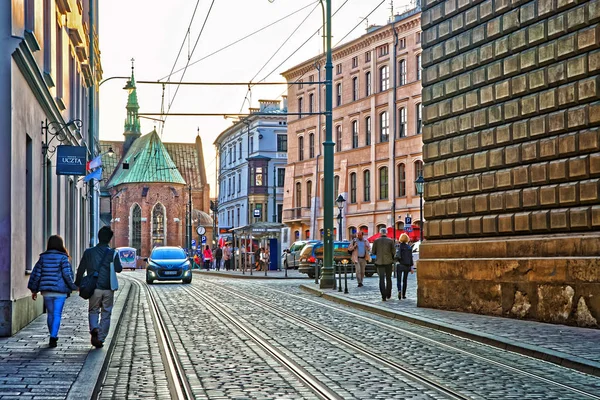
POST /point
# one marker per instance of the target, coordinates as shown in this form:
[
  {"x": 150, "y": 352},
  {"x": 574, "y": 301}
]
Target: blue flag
[{"x": 96, "y": 174}]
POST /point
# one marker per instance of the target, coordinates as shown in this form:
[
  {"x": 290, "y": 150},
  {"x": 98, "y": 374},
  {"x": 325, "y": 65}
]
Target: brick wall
[{"x": 511, "y": 139}]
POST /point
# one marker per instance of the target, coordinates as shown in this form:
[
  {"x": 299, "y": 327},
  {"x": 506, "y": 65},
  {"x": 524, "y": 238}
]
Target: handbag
[{"x": 89, "y": 282}]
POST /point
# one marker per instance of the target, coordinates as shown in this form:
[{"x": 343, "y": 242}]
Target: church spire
[{"x": 132, "y": 122}]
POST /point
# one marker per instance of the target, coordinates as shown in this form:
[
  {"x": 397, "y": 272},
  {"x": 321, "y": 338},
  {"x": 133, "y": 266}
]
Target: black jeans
[
  {"x": 402, "y": 272},
  {"x": 385, "y": 280},
  {"x": 217, "y": 263},
  {"x": 228, "y": 264}
]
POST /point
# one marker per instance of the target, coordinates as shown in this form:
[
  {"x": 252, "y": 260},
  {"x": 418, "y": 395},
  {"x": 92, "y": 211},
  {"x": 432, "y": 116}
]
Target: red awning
[{"x": 414, "y": 235}]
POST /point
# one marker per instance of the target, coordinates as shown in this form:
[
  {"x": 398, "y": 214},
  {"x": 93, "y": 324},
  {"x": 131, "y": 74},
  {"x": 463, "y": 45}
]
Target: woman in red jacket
[{"x": 207, "y": 254}]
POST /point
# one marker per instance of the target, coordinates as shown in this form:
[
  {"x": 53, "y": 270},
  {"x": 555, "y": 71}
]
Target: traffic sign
[
  {"x": 193, "y": 242},
  {"x": 203, "y": 239},
  {"x": 257, "y": 212},
  {"x": 408, "y": 229},
  {"x": 408, "y": 220}
]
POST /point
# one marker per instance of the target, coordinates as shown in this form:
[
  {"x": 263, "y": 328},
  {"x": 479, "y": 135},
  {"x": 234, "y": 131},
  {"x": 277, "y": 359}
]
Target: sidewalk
[
  {"x": 291, "y": 274},
  {"x": 572, "y": 347},
  {"x": 29, "y": 369}
]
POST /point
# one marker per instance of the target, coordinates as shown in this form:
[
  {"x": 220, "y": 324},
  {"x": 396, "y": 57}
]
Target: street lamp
[
  {"x": 419, "y": 184},
  {"x": 340, "y": 204}
]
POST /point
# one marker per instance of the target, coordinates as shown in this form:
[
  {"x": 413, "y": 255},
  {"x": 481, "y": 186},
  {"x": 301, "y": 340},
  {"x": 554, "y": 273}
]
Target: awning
[
  {"x": 259, "y": 229},
  {"x": 414, "y": 235}
]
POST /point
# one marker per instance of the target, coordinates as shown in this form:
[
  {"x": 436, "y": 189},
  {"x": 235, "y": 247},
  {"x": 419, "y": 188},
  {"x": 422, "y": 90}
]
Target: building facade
[
  {"x": 512, "y": 153},
  {"x": 148, "y": 187},
  {"x": 376, "y": 129},
  {"x": 252, "y": 155},
  {"x": 48, "y": 78}
]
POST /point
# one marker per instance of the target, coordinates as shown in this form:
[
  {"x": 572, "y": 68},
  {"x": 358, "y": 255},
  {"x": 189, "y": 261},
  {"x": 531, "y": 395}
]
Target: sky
[{"x": 152, "y": 32}]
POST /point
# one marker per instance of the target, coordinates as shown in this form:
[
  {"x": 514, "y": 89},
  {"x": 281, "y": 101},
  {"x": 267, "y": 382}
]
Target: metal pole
[
  {"x": 340, "y": 225},
  {"x": 92, "y": 125},
  {"x": 339, "y": 271},
  {"x": 421, "y": 217},
  {"x": 189, "y": 221},
  {"x": 346, "y": 278},
  {"x": 274, "y": 194},
  {"x": 394, "y": 130},
  {"x": 327, "y": 280}
]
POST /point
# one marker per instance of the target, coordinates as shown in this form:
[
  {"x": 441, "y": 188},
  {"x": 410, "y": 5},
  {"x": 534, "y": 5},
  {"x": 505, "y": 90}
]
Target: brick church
[{"x": 147, "y": 185}]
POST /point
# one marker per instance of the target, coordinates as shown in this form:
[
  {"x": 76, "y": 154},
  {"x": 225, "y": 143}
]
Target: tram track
[{"x": 390, "y": 363}]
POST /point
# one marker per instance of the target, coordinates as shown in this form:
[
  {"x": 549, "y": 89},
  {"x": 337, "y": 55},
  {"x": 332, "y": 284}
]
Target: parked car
[
  {"x": 415, "y": 253},
  {"x": 312, "y": 255},
  {"x": 291, "y": 256},
  {"x": 168, "y": 263}
]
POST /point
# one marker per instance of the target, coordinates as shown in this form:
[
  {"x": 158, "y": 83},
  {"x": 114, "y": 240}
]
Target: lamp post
[
  {"x": 340, "y": 205},
  {"x": 419, "y": 184}
]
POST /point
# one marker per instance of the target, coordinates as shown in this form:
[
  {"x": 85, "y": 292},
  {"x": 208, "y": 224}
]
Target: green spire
[{"x": 132, "y": 123}]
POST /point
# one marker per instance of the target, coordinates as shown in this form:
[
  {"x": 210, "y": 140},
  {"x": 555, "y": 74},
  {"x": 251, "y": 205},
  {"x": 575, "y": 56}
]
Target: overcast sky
[{"x": 152, "y": 32}]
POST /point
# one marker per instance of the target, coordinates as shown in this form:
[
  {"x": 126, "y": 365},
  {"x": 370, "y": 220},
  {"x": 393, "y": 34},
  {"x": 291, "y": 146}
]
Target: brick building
[
  {"x": 376, "y": 128},
  {"x": 147, "y": 186},
  {"x": 512, "y": 152}
]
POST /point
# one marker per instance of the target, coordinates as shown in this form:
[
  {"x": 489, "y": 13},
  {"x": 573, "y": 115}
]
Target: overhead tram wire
[
  {"x": 187, "y": 33},
  {"x": 241, "y": 39},
  {"x": 188, "y": 63}
]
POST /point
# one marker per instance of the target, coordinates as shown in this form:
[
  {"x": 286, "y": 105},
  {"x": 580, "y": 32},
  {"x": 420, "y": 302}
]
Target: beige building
[{"x": 376, "y": 130}]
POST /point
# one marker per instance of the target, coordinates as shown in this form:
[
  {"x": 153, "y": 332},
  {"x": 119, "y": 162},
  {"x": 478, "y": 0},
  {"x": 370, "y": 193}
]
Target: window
[
  {"x": 354, "y": 62},
  {"x": 232, "y": 185},
  {"x": 402, "y": 43},
  {"x": 367, "y": 56},
  {"x": 311, "y": 79},
  {"x": 418, "y": 37},
  {"x": 59, "y": 61},
  {"x": 308, "y": 193},
  {"x": 158, "y": 225},
  {"x": 298, "y": 194},
  {"x": 234, "y": 153},
  {"x": 367, "y": 185},
  {"x": 383, "y": 183},
  {"x": 418, "y": 67},
  {"x": 230, "y": 154},
  {"x": 338, "y": 69},
  {"x": 368, "y": 83},
  {"x": 311, "y": 145},
  {"x": 383, "y": 50},
  {"x": 240, "y": 151},
  {"x": 282, "y": 143},
  {"x": 418, "y": 169},
  {"x": 311, "y": 103},
  {"x": 300, "y": 101},
  {"x": 384, "y": 128},
  {"x": 402, "y": 122},
  {"x": 338, "y": 138},
  {"x": 355, "y": 88},
  {"x": 336, "y": 186},
  {"x": 256, "y": 176},
  {"x": 239, "y": 182},
  {"x": 401, "y": 180},
  {"x": 367, "y": 131},
  {"x": 300, "y": 84},
  {"x": 338, "y": 90},
  {"x": 419, "y": 118},
  {"x": 353, "y": 187},
  {"x": 384, "y": 78},
  {"x": 300, "y": 148},
  {"x": 280, "y": 177},
  {"x": 251, "y": 144},
  {"x": 402, "y": 72},
  {"x": 354, "y": 134}
]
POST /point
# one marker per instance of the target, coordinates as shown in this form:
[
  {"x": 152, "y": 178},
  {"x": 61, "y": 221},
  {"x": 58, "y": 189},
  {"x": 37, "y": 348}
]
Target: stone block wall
[{"x": 511, "y": 95}]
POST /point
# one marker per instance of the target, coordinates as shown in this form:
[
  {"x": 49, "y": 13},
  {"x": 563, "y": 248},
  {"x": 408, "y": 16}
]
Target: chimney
[{"x": 269, "y": 105}]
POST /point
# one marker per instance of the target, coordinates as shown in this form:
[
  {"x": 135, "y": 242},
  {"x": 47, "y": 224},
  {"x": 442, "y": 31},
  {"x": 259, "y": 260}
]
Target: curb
[
  {"x": 246, "y": 276},
  {"x": 87, "y": 384},
  {"x": 555, "y": 357}
]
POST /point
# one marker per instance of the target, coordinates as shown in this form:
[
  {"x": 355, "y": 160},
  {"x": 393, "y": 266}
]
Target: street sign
[
  {"x": 70, "y": 160},
  {"x": 203, "y": 240},
  {"x": 408, "y": 229},
  {"x": 193, "y": 242},
  {"x": 408, "y": 220},
  {"x": 200, "y": 230},
  {"x": 257, "y": 213}
]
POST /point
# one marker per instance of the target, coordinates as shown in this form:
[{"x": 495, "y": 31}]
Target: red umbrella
[{"x": 414, "y": 235}]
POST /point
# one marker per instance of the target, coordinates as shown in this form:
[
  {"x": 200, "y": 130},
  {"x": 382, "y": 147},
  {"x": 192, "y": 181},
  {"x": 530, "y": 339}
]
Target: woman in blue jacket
[{"x": 53, "y": 276}]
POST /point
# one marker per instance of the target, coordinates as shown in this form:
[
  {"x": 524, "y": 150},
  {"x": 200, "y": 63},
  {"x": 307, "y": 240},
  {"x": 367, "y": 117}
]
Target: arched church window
[
  {"x": 136, "y": 228},
  {"x": 158, "y": 225}
]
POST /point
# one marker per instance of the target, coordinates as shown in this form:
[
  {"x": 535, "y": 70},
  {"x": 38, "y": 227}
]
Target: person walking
[
  {"x": 257, "y": 258},
  {"x": 227, "y": 256},
  {"x": 218, "y": 256},
  {"x": 404, "y": 266},
  {"x": 105, "y": 261},
  {"x": 207, "y": 255},
  {"x": 383, "y": 249},
  {"x": 52, "y": 275},
  {"x": 360, "y": 248}
]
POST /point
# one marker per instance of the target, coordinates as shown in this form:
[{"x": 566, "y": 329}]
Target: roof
[
  {"x": 149, "y": 161},
  {"x": 187, "y": 157},
  {"x": 202, "y": 218}
]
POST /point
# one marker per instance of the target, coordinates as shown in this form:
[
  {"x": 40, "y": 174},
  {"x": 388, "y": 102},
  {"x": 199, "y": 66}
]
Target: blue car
[{"x": 168, "y": 264}]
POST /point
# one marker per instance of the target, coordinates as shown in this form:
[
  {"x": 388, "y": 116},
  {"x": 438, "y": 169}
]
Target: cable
[
  {"x": 187, "y": 32},
  {"x": 241, "y": 39}
]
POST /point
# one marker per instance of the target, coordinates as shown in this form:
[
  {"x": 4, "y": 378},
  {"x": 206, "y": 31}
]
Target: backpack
[{"x": 404, "y": 255}]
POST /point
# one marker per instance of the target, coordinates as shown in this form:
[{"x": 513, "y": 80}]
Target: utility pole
[
  {"x": 189, "y": 219},
  {"x": 327, "y": 279},
  {"x": 274, "y": 193},
  {"x": 91, "y": 126}
]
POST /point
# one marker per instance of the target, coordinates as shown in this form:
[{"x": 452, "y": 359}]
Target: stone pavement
[
  {"x": 572, "y": 347},
  {"x": 29, "y": 369},
  {"x": 291, "y": 274}
]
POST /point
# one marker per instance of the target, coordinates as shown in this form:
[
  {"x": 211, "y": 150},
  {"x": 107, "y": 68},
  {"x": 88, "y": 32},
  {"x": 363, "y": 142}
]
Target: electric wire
[{"x": 187, "y": 33}]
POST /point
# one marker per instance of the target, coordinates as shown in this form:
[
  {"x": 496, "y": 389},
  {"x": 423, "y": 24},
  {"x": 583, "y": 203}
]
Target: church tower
[{"x": 132, "y": 122}]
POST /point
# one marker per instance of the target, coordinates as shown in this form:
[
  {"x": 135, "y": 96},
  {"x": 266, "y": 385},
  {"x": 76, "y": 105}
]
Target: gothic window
[{"x": 158, "y": 225}]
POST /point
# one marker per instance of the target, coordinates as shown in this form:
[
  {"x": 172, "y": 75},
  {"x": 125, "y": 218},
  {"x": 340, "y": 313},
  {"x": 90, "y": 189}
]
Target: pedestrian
[
  {"x": 105, "y": 261},
  {"x": 404, "y": 266},
  {"x": 218, "y": 253},
  {"x": 383, "y": 249},
  {"x": 196, "y": 261},
  {"x": 360, "y": 248},
  {"x": 53, "y": 276},
  {"x": 257, "y": 258},
  {"x": 227, "y": 256},
  {"x": 264, "y": 258},
  {"x": 207, "y": 257}
]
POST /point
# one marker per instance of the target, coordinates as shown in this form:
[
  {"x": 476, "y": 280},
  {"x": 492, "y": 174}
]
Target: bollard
[
  {"x": 317, "y": 268},
  {"x": 340, "y": 276},
  {"x": 286, "y": 266},
  {"x": 345, "y": 277}
]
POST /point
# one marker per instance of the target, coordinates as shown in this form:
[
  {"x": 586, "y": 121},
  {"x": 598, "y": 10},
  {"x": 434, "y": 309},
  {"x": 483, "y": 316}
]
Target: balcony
[{"x": 296, "y": 214}]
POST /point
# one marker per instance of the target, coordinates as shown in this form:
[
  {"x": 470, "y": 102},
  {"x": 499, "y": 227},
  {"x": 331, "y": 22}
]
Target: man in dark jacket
[
  {"x": 218, "y": 255},
  {"x": 384, "y": 250},
  {"x": 99, "y": 258}
]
